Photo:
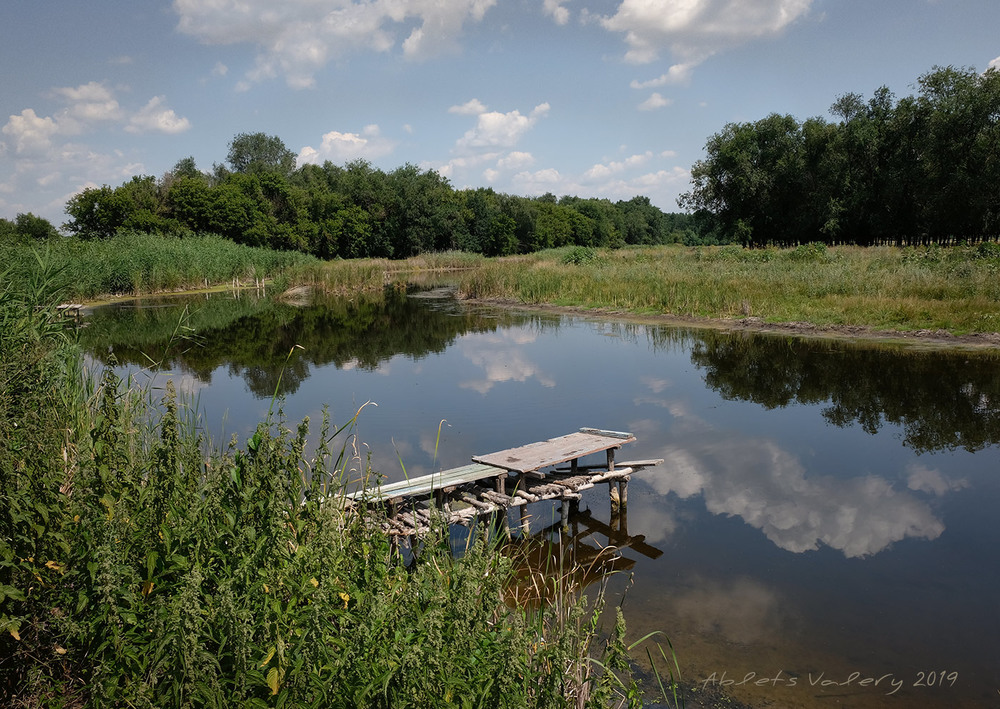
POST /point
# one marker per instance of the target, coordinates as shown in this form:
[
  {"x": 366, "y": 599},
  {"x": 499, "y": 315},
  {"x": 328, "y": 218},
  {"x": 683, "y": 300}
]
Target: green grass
[
  {"x": 956, "y": 289},
  {"x": 141, "y": 565},
  {"x": 136, "y": 264}
]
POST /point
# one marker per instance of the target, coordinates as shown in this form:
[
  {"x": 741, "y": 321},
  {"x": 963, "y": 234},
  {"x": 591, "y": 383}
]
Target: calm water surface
[{"x": 826, "y": 511}]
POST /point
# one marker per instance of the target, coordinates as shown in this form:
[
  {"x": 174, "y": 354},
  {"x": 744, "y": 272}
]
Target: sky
[{"x": 593, "y": 98}]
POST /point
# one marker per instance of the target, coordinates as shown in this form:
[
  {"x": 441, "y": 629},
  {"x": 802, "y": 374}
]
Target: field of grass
[
  {"x": 137, "y": 264},
  {"x": 141, "y": 565},
  {"x": 956, "y": 289}
]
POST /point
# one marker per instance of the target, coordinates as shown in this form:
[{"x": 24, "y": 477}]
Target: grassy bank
[
  {"x": 956, "y": 289},
  {"x": 142, "y": 566},
  {"x": 137, "y": 264}
]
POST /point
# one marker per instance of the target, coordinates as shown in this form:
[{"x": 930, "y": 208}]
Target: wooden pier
[{"x": 495, "y": 482}]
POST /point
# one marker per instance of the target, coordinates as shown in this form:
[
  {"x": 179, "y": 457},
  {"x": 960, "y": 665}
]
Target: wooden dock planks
[
  {"x": 573, "y": 446},
  {"x": 480, "y": 489}
]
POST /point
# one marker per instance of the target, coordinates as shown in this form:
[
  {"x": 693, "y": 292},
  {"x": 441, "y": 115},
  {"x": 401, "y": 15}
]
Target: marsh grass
[
  {"x": 140, "y": 565},
  {"x": 353, "y": 275},
  {"x": 136, "y": 263},
  {"x": 956, "y": 289}
]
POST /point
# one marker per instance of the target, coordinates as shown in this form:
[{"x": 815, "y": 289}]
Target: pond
[{"x": 822, "y": 531}]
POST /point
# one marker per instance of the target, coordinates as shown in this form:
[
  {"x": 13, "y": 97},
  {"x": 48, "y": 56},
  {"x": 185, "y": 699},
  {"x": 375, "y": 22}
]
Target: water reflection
[
  {"x": 943, "y": 400},
  {"x": 252, "y": 338},
  {"x": 501, "y": 357},
  {"x": 770, "y": 490}
]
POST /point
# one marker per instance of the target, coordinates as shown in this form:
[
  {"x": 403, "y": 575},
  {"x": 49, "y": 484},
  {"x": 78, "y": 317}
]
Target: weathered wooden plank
[
  {"x": 609, "y": 434},
  {"x": 552, "y": 452},
  {"x": 641, "y": 463},
  {"x": 427, "y": 484}
]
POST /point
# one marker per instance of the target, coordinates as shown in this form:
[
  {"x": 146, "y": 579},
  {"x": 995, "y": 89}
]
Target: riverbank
[
  {"x": 933, "y": 296},
  {"x": 915, "y": 339}
]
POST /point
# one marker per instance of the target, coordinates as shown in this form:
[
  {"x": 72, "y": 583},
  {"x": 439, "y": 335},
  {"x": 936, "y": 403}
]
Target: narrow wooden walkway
[{"x": 515, "y": 477}]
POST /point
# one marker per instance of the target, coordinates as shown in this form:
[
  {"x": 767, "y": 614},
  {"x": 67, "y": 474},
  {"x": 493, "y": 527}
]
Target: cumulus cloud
[
  {"x": 296, "y": 38},
  {"x": 342, "y": 147},
  {"x": 515, "y": 160},
  {"x": 500, "y": 130},
  {"x": 601, "y": 171},
  {"x": 694, "y": 30},
  {"x": 49, "y": 163},
  {"x": 155, "y": 117},
  {"x": 29, "y": 132},
  {"x": 995, "y": 64},
  {"x": 85, "y": 105},
  {"x": 554, "y": 9}
]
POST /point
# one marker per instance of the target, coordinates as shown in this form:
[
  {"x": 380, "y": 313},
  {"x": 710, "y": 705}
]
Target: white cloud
[
  {"x": 653, "y": 102},
  {"x": 501, "y": 130},
  {"x": 45, "y": 170},
  {"x": 30, "y": 132},
  {"x": 539, "y": 182},
  {"x": 602, "y": 171},
  {"x": 87, "y": 104},
  {"x": 342, "y": 147},
  {"x": 995, "y": 64},
  {"x": 555, "y": 9},
  {"x": 515, "y": 160},
  {"x": 677, "y": 74},
  {"x": 296, "y": 38},
  {"x": 464, "y": 162},
  {"x": 220, "y": 69},
  {"x": 155, "y": 117},
  {"x": 694, "y": 30},
  {"x": 472, "y": 107}
]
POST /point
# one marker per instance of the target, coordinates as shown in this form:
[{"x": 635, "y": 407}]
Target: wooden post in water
[{"x": 613, "y": 493}]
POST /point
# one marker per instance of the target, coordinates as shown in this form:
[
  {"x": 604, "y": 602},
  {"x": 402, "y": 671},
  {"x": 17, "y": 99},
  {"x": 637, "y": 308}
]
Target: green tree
[
  {"x": 259, "y": 152},
  {"x": 97, "y": 212}
]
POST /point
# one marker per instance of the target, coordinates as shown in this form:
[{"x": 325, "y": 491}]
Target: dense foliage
[
  {"x": 920, "y": 170},
  {"x": 357, "y": 210}
]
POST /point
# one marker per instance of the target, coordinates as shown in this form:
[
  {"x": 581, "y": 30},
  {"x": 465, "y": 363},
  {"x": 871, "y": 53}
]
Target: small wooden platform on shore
[{"x": 515, "y": 477}]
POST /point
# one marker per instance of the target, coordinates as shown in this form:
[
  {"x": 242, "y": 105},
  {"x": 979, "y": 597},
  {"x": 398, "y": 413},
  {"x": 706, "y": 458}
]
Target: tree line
[
  {"x": 919, "y": 170},
  {"x": 259, "y": 198}
]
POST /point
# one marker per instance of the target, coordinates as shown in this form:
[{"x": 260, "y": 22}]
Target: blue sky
[{"x": 596, "y": 98}]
